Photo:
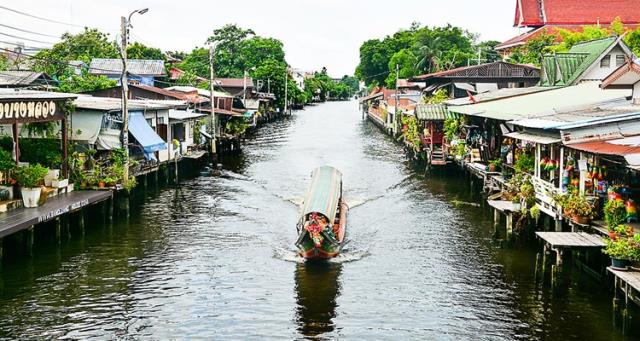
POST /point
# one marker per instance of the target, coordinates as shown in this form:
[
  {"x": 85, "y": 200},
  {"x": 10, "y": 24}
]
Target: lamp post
[{"x": 125, "y": 23}]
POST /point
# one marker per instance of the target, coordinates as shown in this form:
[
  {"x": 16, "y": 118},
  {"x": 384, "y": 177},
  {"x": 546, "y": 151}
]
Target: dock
[{"x": 24, "y": 218}]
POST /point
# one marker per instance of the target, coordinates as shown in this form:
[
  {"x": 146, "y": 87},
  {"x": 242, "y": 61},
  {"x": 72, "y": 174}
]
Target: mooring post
[
  {"x": 537, "y": 275},
  {"x": 496, "y": 217},
  {"x": 81, "y": 221},
  {"x": 509, "y": 225},
  {"x": 58, "y": 224},
  {"x": 29, "y": 240}
]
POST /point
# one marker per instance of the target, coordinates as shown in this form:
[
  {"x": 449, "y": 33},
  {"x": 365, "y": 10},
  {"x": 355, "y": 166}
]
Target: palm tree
[{"x": 430, "y": 56}]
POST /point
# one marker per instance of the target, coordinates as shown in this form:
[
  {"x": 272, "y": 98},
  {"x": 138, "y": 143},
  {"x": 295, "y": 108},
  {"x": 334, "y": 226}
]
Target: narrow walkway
[{"x": 22, "y": 218}]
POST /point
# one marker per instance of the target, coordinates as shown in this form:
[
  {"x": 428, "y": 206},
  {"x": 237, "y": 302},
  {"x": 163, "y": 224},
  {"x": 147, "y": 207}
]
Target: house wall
[
  {"x": 146, "y": 80},
  {"x": 158, "y": 120},
  {"x": 599, "y": 71}
]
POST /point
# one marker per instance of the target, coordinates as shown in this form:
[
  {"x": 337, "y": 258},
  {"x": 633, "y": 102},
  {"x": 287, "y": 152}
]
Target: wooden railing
[{"x": 544, "y": 196}]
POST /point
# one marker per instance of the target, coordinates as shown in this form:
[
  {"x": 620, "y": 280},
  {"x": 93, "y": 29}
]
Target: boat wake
[{"x": 346, "y": 256}]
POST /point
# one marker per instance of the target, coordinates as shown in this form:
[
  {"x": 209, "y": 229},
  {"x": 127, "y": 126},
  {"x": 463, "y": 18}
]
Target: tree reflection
[{"x": 317, "y": 289}]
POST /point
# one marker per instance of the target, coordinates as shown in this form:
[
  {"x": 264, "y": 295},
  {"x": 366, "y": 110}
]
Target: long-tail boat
[{"x": 323, "y": 222}]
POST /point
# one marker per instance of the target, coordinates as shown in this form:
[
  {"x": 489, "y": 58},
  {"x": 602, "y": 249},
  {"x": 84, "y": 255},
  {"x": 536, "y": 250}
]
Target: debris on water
[{"x": 464, "y": 203}]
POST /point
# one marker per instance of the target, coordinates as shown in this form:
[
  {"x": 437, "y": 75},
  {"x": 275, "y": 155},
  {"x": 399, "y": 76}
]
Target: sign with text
[{"x": 25, "y": 111}]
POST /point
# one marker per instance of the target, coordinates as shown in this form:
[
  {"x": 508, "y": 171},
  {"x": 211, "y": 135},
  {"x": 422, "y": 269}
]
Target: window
[
  {"x": 620, "y": 59},
  {"x": 149, "y": 122},
  {"x": 605, "y": 62},
  {"x": 161, "y": 120}
]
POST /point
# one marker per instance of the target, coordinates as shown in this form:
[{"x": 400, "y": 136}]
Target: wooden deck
[
  {"x": 630, "y": 277},
  {"x": 571, "y": 239},
  {"x": 23, "y": 218},
  {"x": 628, "y": 282},
  {"x": 504, "y": 206}
]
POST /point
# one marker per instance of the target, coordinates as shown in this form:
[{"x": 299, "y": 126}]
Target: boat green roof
[
  {"x": 566, "y": 67},
  {"x": 324, "y": 192}
]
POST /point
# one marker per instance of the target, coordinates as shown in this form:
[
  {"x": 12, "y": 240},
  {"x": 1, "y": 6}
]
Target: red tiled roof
[
  {"x": 575, "y": 12},
  {"x": 548, "y": 29}
]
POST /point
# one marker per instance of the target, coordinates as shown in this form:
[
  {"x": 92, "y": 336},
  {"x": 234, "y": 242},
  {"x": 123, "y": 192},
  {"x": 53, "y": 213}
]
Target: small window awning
[
  {"x": 143, "y": 133},
  {"x": 85, "y": 126},
  {"x": 537, "y": 137},
  {"x": 628, "y": 147}
]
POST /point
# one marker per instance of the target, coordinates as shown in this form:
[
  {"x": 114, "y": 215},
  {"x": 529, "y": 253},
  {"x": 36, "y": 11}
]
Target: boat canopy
[{"x": 324, "y": 192}]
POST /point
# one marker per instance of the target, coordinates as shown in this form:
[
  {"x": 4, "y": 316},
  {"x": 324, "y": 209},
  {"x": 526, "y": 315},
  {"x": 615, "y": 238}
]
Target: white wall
[{"x": 599, "y": 73}]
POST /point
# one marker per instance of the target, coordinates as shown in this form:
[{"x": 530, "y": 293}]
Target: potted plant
[
  {"x": 7, "y": 164},
  {"x": 30, "y": 178},
  {"x": 619, "y": 250},
  {"x": 580, "y": 209},
  {"x": 495, "y": 165},
  {"x": 60, "y": 182},
  {"x": 614, "y": 213},
  {"x": 622, "y": 246}
]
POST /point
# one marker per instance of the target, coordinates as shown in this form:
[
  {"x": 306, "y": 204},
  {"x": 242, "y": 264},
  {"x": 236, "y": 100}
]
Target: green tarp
[{"x": 324, "y": 192}]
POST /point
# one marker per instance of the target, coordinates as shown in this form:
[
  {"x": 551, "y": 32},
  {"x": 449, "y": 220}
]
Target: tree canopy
[{"x": 419, "y": 50}]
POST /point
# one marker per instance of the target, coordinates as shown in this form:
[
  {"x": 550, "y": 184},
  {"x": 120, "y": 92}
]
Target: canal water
[{"x": 214, "y": 257}]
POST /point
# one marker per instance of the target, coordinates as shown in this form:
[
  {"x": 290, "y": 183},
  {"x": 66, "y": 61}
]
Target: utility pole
[
  {"x": 244, "y": 89},
  {"x": 212, "y": 98},
  {"x": 125, "y": 94},
  {"x": 286, "y": 90},
  {"x": 397, "y": 106},
  {"x": 125, "y": 23}
]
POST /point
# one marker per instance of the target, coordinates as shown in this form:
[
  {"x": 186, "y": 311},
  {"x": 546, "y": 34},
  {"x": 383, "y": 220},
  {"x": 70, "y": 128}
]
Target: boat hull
[{"x": 331, "y": 244}]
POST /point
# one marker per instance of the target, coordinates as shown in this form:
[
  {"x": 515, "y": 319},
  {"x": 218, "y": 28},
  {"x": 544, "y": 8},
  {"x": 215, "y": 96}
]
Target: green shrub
[{"x": 31, "y": 176}]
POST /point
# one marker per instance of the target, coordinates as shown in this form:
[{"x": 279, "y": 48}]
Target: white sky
[{"x": 315, "y": 33}]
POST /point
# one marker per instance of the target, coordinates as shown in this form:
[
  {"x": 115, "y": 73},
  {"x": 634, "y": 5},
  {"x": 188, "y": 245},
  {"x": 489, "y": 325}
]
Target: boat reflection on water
[{"x": 317, "y": 289}]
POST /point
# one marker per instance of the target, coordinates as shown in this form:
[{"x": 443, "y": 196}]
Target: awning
[
  {"x": 628, "y": 147},
  {"x": 465, "y": 86},
  {"x": 432, "y": 112},
  {"x": 182, "y": 115},
  {"x": 108, "y": 139},
  {"x": 143, "y": 133},
  {"x": 536, "y": 137},
  {"x": 85, "y": 126}
]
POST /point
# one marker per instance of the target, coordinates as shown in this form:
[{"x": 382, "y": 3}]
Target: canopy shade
[
  {"x": 537, "y": 137},
  {"x": 85, "y": 126},
  {"x": 324, "y": 192},
  {"x": 143, "y": 133},
  {"x": 628, "y": 147}
]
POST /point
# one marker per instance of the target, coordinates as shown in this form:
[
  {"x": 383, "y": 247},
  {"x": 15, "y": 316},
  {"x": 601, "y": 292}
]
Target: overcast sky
[{"x": 315, "y": 33}]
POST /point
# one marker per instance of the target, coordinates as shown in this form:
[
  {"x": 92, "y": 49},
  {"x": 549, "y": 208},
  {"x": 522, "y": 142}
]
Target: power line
[
  {"x": 23, "y": 38},
  {"x": 40, "y": 18},
  {"x": 27, "y": 31}
]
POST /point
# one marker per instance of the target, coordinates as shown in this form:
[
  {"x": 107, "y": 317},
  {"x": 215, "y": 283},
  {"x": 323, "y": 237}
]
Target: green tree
[
  {"x": 196, "y": 62},
  {"x": 83, "y": 46},
  {"x": 633, "y": 40},
  {"x": 532, "y": 51},
  {"x": 85, "y": 82},
  {"x": 140, "y": 51},
  {"x": 406, "y": 61},
  {"x": 488, "y": 53}
]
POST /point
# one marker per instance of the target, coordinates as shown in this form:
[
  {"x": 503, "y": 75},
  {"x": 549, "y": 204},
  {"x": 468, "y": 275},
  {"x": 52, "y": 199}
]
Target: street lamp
[{"x": 125, "y": 23}]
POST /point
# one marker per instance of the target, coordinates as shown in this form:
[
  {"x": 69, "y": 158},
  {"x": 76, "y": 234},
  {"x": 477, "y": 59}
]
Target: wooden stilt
[
  {"x": 81, "y": 221},
  {"x": 509, "y": 224},
  {"x": 29, "y": 240},
  {"x": 558, "y": 223},
  {"x": 58, "y": 224}
]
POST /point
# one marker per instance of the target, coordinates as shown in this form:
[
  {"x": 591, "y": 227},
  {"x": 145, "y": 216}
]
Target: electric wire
[{"x": 27, "y": 31}]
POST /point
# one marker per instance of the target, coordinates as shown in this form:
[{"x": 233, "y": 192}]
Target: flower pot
[
  {"x": 581, "y": 220},
  {"x": 52, "y": 175},
  {"x": 9, "y": 189},
  {"x": 60, "y": 183},
  {"x": 30, "y": 196},
  {"x": 492, "y": 167},
  {"x": 101, "y": 184},
  {"x": 619, "y": 264}
]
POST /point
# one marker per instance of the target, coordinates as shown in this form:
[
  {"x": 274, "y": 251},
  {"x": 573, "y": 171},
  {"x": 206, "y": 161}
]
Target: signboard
[{"x": 24, "y": 111}]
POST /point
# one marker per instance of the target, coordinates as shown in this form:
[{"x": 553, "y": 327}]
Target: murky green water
[{"x": 214, "y": 258}]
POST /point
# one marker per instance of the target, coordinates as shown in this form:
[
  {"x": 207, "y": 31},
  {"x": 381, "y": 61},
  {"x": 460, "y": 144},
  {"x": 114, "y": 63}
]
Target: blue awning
[{"x": 143, "y": 133}]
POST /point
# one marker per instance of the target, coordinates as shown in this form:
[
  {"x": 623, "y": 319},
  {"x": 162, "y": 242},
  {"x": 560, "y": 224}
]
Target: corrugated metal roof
[
  {"x": 432, "y": 112},
  {"x": 22, "y": 78},
  {"x": 183, "y": 114},
  {"x": 114, "y": 104},
  {"x": 540, "y": 104},
  {"x": 143, "y": 67},
  {"x": 628, "y": 147},
  {"x": 566, "y": 68},
  {"x": 535, "y": 136},
  {"x": 11, "y": 94},
  {"x": 498, "y": 94}
]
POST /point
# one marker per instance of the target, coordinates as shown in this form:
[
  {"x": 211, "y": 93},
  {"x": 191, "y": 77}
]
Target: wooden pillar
[
  {"x": 29, "y": 240},
  {"x": 81, "y": 221},
  {"x": 509, "y": 225},
  {"x": 65, "y": 151},
  {"x": 539, "y": 266},
  {"x": 552, "y": 175},
  {"x": 538, "y": 157},
  {"x": 16, "y": 139},
  {"x": 496, "y": 217},
  {"x": 58, "y": 224},
  {"x": 561, "y": 168},
  {"x": 583, "y": 174}
]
